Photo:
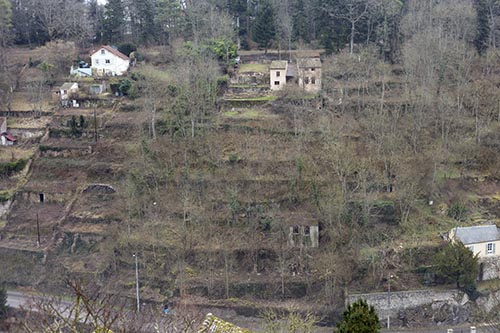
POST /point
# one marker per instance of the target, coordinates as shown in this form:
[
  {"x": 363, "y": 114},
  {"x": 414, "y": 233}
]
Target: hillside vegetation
[{"x": 209, "y": 180}]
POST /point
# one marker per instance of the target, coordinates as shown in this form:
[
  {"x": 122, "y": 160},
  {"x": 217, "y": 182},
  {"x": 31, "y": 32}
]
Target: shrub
[
  {"x": 9, "y": 168},
  {"x": 127, "y": 48},
  {"x": 3, "y": 302},
  {"x": 458, "y": 211}
]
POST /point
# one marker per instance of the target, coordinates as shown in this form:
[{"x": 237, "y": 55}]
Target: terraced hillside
[{"x": 227, "y": 216}]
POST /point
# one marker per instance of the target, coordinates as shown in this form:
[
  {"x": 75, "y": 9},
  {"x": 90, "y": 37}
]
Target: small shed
[
  {"x": 67, "y": 89},
  {"x": 97, "y": 88},
  {"x": 7, "y": 139}
]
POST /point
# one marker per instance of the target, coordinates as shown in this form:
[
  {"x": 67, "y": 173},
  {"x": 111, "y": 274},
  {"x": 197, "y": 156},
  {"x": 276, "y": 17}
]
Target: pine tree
[
  {"x": 482, "y": 26},
  {"x": 360, "y": 318},
  {"x": 457, "y": 264},
  {"x": 265, "y": 26},
  {"x": 169, "y": 20},
  {"x": 300, "y": 27},
  {"x": 144, "y": 28},
  {"x": 5, "y": 22},
  {"x": 113, "y": 21}
]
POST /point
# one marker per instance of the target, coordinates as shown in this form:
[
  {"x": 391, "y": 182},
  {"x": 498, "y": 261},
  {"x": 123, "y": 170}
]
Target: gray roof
[
  {"x": 67, "y": 85},
  {"x": 278, "y": 64},
  {"x": 291, "y": 70},
  {"x": 478, "y": 234},
  {"x": 309, "y": 62}
]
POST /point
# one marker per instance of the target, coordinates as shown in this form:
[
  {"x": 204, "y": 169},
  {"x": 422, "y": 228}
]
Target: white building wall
[
  {"x": 106, "y": 63},
  {"x": 278, "y": 76},
  {"x": 481, "y": 249}
]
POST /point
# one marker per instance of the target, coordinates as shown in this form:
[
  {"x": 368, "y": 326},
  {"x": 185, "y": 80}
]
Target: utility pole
[
  {"x": 389, "y": 301},
  {"x": 37, "y": 231},
  {"x": 95, "y": 124},
  {"x": 137, "y": 283}
]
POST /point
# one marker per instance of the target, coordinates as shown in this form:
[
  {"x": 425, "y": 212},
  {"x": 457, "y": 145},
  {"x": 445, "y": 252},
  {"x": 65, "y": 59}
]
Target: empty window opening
[
  {"x": 307, "y": 231},
  {"x": 42, "y": 198},
  {"x": 108, "y": 61},
  {"x": 276, "y": 83},
  {"x": 313, "y": 80}
]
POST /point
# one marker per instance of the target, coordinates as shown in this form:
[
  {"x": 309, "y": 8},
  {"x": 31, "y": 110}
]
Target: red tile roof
[
  {"x": 9, "y": 137},
  {"x": 112, "y": 50}
]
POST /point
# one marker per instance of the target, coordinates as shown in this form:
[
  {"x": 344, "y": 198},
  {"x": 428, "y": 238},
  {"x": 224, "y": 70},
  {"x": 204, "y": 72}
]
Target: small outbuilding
[
  {"x": 67, "y": 89},
  {"x": 6, "y": 139}
]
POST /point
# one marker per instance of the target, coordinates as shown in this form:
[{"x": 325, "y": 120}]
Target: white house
[
  {"x": 483, "y": 241},
  {"x": 108, "y": 61}
]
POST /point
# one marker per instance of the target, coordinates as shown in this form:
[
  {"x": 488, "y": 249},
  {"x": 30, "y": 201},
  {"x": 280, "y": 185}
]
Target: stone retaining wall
[{"x": 389, "y": 304}]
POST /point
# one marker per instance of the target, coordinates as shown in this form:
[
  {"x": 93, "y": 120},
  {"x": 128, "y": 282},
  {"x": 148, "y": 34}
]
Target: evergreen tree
[
  {"x": 5, "y": 23},
  {"x": 143, "y": 26},
  {"x": 265, "y": 26},
  {"x": 3, "y": 302},
  {"x": 482, "y": 26},
  {"x": 169, "y": 20},
  {"x": 300, "y": 26},
  {"x": 360, "y": 318},
  {"x": 457, "y": 264},
  {"x": 113, "y": 21}
]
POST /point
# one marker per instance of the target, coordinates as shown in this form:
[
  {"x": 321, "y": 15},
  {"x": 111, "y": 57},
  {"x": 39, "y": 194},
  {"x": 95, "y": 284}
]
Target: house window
[
  {"x": 490, "y": 248},
  {"x": 97, "y": 61},
  {"x": 306, "y": 80},
  {"x": 103, "y": 52},
  {"x": 276, "y": 83},
  {"x": 108, "y": 61},
  {"x": 278, "y": 73},
  {"x": 313, "y": 80}
]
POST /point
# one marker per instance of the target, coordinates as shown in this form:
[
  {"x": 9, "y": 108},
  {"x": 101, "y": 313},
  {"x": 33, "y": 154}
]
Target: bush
[
  {"x": 4, "y": 196},
  {"x": 3, "y": 302},
  {"x": 359, "y": 317},
  {"x": 44, "y": 148},
  {"x": 458, "y": 211},
  {"x": 9, "y": 168},
  {"x": 127, "y": 48}
]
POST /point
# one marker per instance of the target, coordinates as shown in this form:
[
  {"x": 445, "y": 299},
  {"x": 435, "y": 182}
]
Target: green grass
[
  {"x": 248, "y": 86},
  {"x": 252, "y": 68},
  {"x": 253, "y": 99},
  {"x": 447, "y": 174}
]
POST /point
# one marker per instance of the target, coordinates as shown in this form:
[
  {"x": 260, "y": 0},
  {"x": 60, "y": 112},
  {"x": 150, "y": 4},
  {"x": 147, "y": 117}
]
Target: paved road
[{"x": 17, "y": 300}]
